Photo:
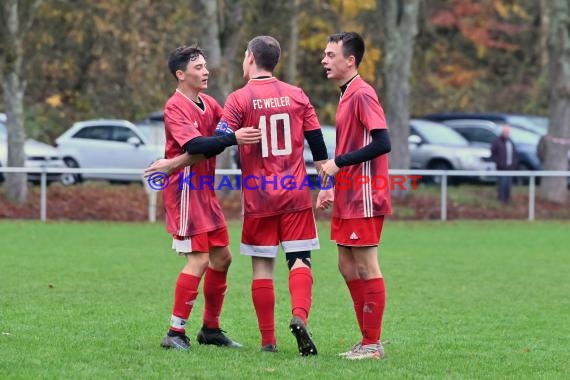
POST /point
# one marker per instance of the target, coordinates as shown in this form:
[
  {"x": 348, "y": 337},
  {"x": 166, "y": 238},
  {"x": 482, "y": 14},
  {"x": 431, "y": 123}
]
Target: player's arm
[
  {"x": 213, "y": 145},
  {"x": 318, "y": 148},
  {"x": 379, "y": 145},
  {"x": 171, "y": 165},
  {"x": 313, "y": 133},
  {"x": 201, "y": 147}
]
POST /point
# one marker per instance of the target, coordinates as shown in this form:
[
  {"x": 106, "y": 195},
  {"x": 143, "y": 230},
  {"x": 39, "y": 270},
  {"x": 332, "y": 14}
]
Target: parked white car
[
  {"x": 107, "y": 144},
  {"x": 37, "y": 154}
]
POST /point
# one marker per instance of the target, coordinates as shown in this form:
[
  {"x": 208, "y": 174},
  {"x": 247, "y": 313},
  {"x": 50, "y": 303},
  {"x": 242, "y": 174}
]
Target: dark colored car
[
  {"x": 532, "y": 123},
  {"x": 482, "y": 133}
]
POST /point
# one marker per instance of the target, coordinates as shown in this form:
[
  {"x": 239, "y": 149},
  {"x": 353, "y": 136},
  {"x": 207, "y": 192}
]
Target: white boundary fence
[{"x": 444, "y": 174}]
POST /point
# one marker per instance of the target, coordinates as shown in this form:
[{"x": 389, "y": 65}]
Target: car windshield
[
  {"x": 520, "y": 136},
  {"x": 440, "y": 134}
]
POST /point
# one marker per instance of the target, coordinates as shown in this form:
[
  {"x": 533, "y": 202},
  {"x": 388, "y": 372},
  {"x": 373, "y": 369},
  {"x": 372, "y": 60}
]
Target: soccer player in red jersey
[
  {"x": 277, "y": 208},
  {"x": 358, "y": 212},
  {"x": 195, "y": 219},
  {"x": 276, "y": 199}
]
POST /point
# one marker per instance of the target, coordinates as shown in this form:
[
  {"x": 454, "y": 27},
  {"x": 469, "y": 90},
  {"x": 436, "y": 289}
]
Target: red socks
[
  {"x": 215, "y": 286},
  {"x": 356, "y": 288},
  {"x": 263, "y": 295},
  {"x": 374, "y": 301},
  {"x": 301, "y": 290},
  {"x": 184, "y": 297}
]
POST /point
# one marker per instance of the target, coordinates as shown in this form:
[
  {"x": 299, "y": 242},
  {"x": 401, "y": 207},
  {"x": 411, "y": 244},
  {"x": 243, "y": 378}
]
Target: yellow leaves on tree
[
  {"x": 455, "y": 75},
  {"x": 54, "y": 100},
  {"x": 487, "y": 24}
]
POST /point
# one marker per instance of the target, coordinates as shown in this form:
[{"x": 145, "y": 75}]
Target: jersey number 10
[{"x": 275, "y": 121}]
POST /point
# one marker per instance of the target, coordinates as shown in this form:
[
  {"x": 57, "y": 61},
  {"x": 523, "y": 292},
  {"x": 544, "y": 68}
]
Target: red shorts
[
  {"x": 201, "y": 242},
  {"x": 358, "y": 232},
  {"x": 296, "y": 231}
]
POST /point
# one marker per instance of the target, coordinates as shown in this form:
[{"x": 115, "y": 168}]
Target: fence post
[
  {"x": 152, "y": 206},
  {"x": 43, "y": 195},
  {"x": 444, "y": 197},
  {"x": 151, "y": 200},
  {"x": 531, "y": 197}
]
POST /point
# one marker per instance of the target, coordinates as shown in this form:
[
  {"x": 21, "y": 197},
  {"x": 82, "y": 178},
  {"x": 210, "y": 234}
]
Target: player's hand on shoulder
[
  {"x": 325, "y": 199},
  {"x": 248, "y": 135}
]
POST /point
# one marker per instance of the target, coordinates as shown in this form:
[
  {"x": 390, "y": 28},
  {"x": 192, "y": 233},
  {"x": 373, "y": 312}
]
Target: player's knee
[
  {"x": 348, "y": 270},
  {"x": 346, "y": 273},
  {"x": 197, "y": 263},
  {"x": 363, "y": 272},
  {"x": 221, "y": 261},
  {"x": 292, "y": 257}
]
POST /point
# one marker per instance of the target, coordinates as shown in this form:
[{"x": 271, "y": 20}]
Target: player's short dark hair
[
  {"x": 179, "y": 58},
  {"x": 352, "y": 44},
  {"x": 266, "y": 51}
]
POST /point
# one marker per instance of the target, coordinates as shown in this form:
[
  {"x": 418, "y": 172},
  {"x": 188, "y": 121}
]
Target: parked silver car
[
  {"x": 107, "y": 143},
  {"x": 438, "y": 147},
  {"x": 37, "y": 154}
]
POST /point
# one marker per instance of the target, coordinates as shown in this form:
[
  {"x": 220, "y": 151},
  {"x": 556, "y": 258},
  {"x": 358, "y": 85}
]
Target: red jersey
[
  {"x": 358, "y": 113},
  {"x": 274, "y": 176},
  {"x": 191, "y": 207}
]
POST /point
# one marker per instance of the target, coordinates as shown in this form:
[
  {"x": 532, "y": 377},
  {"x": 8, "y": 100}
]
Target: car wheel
[
  {"x": 441, "y": 165},
  {"x": 69, "y": 179}
]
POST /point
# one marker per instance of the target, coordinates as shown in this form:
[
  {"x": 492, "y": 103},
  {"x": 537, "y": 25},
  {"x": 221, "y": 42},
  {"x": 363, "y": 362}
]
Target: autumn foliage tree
[{"x": 479, "y": 56}]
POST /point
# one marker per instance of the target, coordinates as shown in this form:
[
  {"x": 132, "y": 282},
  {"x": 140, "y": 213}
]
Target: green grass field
[{"x": 465, "y": 300}]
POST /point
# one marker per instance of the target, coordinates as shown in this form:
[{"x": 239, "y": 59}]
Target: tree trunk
[
  {"x": 13, "y": 86},
  {"x": 291, "y": 70},
  {"x": 211, "y": 44},
  {"x": 220, "y": 41},
  {"x": 400, "y": 29},
  {"x": 555, "y": 188},
  {"x": 545, "y": 7}
]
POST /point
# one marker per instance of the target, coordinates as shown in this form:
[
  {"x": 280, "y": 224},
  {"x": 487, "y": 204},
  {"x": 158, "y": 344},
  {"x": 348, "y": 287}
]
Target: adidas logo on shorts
[{"x": 354, "y": 236}]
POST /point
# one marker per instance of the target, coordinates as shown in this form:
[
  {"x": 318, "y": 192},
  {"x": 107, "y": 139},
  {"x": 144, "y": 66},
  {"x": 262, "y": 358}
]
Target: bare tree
[
  {"x": 17, "y": 17},
  {"x": 554, "y": 189},
  {"x": 545, "y": 7},
  {"x": 399, "y": 18},
  {"x": 220, "y": 40},
  {"x": 292, "y": 57},
  {"x": 211, "y": 43}
]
